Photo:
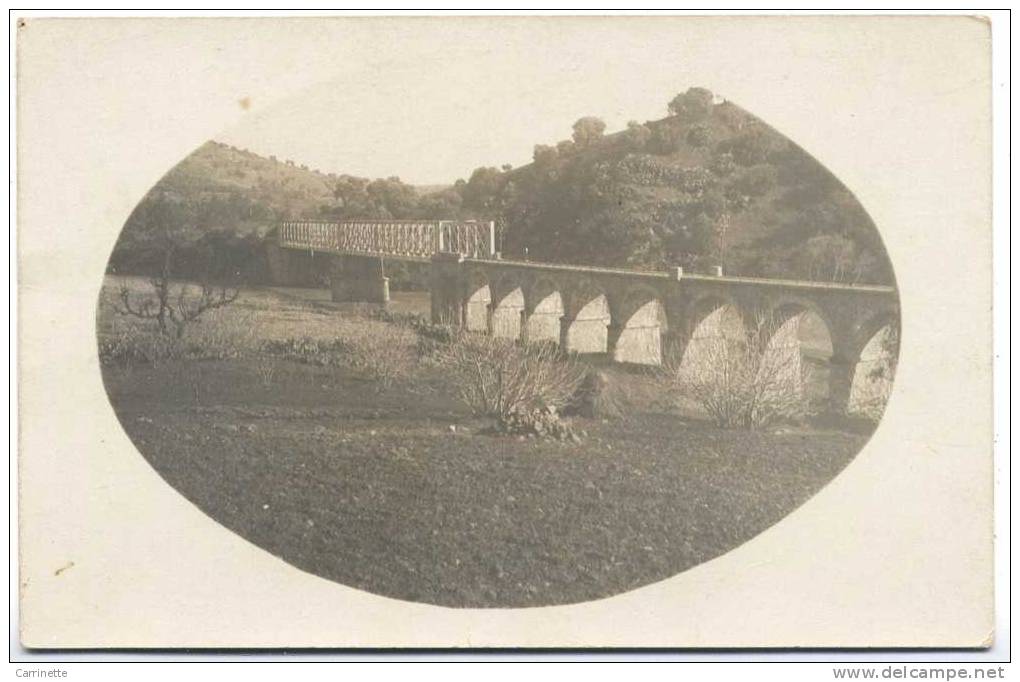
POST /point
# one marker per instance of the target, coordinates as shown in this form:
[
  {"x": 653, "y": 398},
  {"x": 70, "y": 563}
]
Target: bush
[
  {"x": 597, "y": 397},
  {"x": 742, "y": 382},
  {"x": 723, "y": 164},
  {"x": 752, "y": 146},
  {"x": 637, "y": 136},
  {"x": 222, "y": 336},
  {"x": 304, "y": 349},
  {"x": 265, "y": 368},
  {"x": 498, "y": 378},
  {"x": 374, "y": 312},
  {"x": 135, "y": 346},
  {"x": 699, "y": 136},
  {"x": 755, "y": 181},
  {"x": 872, "y": 386},
  {"x": 693, "y": 105},
  {"x": 588, "y": 130},
  {"x": 218, "y": 337},
  {"x": 666, "y": 138},
  {"x": 432, "y": 338},
  {"x": 384, "y": 352},
  {"x": 542, "y": 422},
  {"x": 872, "y": 407}
]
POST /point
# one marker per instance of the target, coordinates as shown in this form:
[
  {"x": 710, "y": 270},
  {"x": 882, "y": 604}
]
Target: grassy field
[{"x": 401, "y": 491}]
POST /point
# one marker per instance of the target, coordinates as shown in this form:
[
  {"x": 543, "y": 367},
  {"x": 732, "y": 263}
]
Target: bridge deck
[
  {"x": 421, "y": 240},
  {"x": 722, "y": 279}
]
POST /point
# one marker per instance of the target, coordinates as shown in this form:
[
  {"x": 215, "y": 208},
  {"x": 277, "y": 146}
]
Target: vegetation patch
[
  {"x": 498, "y": 378},
  {"x": 292, "y": 443},
  {"x": 748, "y": 381},
  {"x": 540, "y": 422},
  {"x": 707, "y": 185}
]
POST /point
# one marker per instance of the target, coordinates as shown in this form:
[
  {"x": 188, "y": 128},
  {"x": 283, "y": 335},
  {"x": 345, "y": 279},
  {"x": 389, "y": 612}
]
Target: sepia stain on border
[{"x": 69, "y": 564}]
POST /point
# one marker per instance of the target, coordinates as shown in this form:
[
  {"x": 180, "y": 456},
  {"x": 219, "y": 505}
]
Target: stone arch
[
  {"x": 543, "y": 311},
  {"x": 873, "y": 372},
  {"x": 779, "y": 310},
  {"x": 799, "y": 342},
  {"x": 871, "y": 324},
  {"x": 637, "y": 331},
  {"x": 477, "y": 300},
  {"x": 507, "y": 306},
  {"x": 586, "y": 318},
  {"x": 712, "y": 324}
]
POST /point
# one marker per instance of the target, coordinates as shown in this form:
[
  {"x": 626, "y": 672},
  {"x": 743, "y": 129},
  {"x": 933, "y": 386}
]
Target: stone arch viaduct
[{"x": 630, "y": 315}]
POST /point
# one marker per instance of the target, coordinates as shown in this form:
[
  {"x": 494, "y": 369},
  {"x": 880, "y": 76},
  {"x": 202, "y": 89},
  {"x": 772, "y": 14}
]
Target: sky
[{"x": 429, "y": 100}]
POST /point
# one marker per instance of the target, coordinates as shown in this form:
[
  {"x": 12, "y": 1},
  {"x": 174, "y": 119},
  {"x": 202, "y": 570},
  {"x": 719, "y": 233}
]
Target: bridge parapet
[
  {"x": 710, "y": 280},
  {"x": 405, "y": 239}
]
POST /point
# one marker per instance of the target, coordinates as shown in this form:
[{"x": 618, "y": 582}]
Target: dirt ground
[{"x": 401, "y": 492}]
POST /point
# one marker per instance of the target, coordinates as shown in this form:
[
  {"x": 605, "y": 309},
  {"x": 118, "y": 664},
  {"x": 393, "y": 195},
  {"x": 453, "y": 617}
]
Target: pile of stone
[{"x": 541, "y": 422}]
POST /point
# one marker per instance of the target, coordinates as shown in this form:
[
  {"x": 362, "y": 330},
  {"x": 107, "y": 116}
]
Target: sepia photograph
[
  {"x": 471, "y": 319},
  {"x": 531, "y": 385}
]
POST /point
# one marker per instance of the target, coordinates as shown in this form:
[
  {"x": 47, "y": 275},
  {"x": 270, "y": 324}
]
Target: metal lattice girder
[{"x": 408, "y": 238}]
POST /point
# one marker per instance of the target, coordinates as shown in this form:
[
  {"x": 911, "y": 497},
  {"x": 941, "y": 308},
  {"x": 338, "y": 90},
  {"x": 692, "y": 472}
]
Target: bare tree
[
  {"x": 750, "y": 380},
  {"x": 175, "y": 305}
]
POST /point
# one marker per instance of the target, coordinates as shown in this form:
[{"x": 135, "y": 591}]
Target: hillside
[
  {"x": 232, "y": 187},
  {"x": 220, "y": 201},
  {"x": 707, "y": 185}
]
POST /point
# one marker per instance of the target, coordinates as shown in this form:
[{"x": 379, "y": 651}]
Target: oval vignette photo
[{"x": 554, "y": 377}]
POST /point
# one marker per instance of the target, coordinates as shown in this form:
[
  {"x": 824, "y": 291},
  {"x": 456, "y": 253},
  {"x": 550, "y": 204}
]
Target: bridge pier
[
  {"x": 448, "y": 302},
  {"x": 613, "y": 333},
  {"x": 294, "y": 268},
  {"x": 359, "y": 279},
  {"x": 840, "y": 379}
]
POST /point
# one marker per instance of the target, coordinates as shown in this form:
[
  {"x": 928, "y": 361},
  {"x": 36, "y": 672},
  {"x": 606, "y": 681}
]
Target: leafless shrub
[
  {"x": 172, "y": 305},
  {"x": 874, "y": 377},
  {"x": 265, "y": 369},
  {"x": 748, "y": 381},
  {"x": 497, "y": 377},
  {"x": 194, "y": 381}
]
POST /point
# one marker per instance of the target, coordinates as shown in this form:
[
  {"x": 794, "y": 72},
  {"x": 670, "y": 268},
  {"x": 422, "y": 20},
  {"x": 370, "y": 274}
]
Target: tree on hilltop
[
  {"x": 588, "y": 129},
  {"x": 544, "y": 154},
  {"x": 693, "y": 105}
]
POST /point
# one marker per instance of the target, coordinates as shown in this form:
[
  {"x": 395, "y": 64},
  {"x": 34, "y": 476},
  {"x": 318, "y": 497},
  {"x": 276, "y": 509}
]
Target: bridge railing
[{"x": 401, "y": 238}]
